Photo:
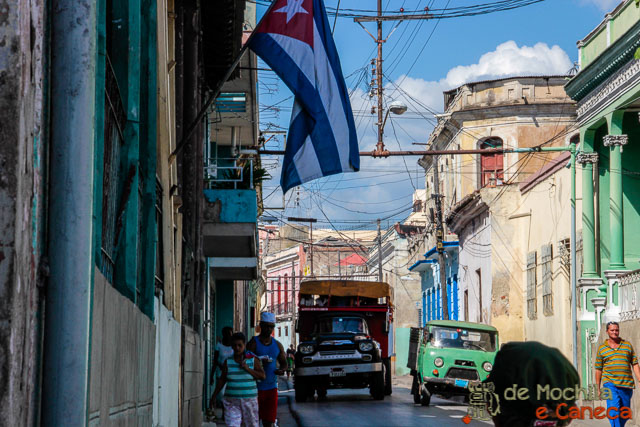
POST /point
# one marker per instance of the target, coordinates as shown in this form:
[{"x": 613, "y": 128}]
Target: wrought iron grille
[{"x": 114, "y": 121}]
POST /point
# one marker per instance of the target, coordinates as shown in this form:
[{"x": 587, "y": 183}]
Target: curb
[{"x": 291, "y": 405}]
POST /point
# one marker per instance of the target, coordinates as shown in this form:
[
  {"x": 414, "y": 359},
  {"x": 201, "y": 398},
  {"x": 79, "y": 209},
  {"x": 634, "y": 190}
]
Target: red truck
[{"x": 346, "y": 338}]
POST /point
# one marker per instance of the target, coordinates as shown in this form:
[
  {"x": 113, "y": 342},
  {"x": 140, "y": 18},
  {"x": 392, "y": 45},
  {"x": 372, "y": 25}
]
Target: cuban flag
[{"x": 294, "y": 38}]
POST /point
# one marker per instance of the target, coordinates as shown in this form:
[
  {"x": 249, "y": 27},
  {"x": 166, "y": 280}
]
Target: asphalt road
[{"x": 357, "y": 408}]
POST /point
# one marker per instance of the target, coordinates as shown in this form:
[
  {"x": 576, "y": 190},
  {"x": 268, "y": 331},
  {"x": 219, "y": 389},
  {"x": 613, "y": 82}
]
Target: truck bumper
[
  {"x": 450, "y": 385},
  {"x": 348, "y": 369}
]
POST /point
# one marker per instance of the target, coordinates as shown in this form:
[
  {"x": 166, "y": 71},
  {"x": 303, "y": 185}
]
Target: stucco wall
[
  {"x": 192, "y": 376},
  {"x": 122, "y": 359},
  {"x": 550, "y": 223},
  {"x": 166, "y": 396},
  {"x": 474, "y": 255}
]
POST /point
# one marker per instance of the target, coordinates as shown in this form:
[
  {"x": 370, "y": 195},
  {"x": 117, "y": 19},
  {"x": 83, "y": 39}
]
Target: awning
[{"x": 345, "y": 288}]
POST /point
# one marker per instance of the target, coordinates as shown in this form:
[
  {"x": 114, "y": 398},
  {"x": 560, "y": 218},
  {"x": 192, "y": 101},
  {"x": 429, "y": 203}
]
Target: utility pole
[
  {"x": 294, "y": 304},
  {"x": 379, "y": 253},
  {"x": 310, "y": 221},
  {"x": 376, "y": 78},
  {"x": 439, "y": 240}
]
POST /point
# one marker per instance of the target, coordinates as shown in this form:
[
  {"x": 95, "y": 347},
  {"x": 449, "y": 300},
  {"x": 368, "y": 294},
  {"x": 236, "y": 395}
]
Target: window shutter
[
  {"x": 532, "y": 307},
  {"x": 547, "y": 280}
]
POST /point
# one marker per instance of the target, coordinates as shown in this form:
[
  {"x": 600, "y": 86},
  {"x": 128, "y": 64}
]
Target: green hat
[{"x": 530, "y": 365}]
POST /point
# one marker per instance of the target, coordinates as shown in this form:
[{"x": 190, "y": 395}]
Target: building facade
[{"x": 607, "y": 89}]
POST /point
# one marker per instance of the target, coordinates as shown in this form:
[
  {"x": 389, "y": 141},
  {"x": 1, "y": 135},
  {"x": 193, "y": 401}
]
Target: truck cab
[
  {"x": 345, "y": 330},
  {"x": 446, "y": 357}
]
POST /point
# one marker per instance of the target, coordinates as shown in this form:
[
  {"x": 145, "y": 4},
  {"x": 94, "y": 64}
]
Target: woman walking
[{"x": 240, "y": 374}]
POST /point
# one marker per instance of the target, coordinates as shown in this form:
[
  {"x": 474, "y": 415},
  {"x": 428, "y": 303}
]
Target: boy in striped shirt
[
  {"x": 240, "y": 373},
  {"x": 613, "y": 368}
]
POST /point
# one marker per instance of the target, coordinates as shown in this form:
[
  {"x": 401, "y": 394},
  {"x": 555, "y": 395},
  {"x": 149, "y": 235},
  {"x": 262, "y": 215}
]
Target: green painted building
[{"x": 607, "y": 89}]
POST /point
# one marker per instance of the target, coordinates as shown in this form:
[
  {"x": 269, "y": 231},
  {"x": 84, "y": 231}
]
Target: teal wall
[
  {"x": 237, "y": 205},
  {"x": 402, "y": 351},
  {"x": 224, "y": 305},
  {"x": 631, "y": 190},
  {"x": 127, "y": 34}
]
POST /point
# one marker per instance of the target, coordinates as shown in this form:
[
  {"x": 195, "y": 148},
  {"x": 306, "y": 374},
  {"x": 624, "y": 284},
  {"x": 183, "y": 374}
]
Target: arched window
[{"x": 491, "y": 165}]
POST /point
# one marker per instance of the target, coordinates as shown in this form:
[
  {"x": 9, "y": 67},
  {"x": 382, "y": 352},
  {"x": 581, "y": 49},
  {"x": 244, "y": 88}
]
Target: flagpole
[{"x": 216, "y": 92}]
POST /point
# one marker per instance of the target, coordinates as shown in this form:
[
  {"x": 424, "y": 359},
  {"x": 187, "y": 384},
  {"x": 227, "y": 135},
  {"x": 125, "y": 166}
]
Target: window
[
  {"x": 286, "y": 331},
  {"x": 479, "y": 278},
  {"x": 279, "y": 331},
  {"x": 466, "y": 305},
  {"x": 532, "y": 305},
  {"x": 273, "y": 297},
  {"x": 547, "y": 280},
  {"x": 279, "y": 295},
  {"x": 286, "y": 293},
  {"x": 491, "y": 165}
]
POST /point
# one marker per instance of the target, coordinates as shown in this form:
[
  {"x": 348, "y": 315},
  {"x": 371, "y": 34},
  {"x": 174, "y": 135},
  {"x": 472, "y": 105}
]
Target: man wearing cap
[
  {"x": 614, "y": 360},
  {"x": 268, "y": 349}
]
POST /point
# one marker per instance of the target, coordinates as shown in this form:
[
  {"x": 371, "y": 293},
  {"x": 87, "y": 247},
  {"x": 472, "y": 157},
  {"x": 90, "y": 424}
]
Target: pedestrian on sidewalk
[
  {"x": 223, "y": 351},
  {"x": 269, "y": 350},
  {"x": 291, "y": 354},
  {"x": 239, "y": 374},
  {"x": 529, "y": 365},
  {"x": 614, "y": 361}
]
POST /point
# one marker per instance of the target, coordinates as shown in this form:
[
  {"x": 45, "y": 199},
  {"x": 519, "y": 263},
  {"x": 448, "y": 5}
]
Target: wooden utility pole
[
  {"x": 376, "y": 78},
  {"x": 379, "y": 253},
  {"x": 310, "y": 221},
  {"x": 439, "y": 240}
]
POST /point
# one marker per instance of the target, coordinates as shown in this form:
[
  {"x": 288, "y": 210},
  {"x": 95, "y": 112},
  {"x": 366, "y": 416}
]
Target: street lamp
[{"x": 396, "y": 107}]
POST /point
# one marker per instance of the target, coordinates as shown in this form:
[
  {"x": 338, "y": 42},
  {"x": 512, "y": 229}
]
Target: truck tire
[
  {"x": 377, "y": 385},
  {"x": 425, "y": 396},
  {"x": 415, "y": 390},
  {"x": 302, "y": 390},
  {"x": 388, "y": 385}
]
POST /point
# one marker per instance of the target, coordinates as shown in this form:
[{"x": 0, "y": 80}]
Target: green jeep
[{"x": 447, "y": 356}]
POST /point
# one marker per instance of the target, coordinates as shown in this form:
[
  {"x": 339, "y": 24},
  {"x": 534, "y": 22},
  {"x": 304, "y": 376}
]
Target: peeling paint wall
[{"x": 22, "y": 160}]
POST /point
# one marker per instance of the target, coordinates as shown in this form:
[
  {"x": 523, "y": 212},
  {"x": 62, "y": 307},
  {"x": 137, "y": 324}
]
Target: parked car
[{"x": 448, "y": 356}]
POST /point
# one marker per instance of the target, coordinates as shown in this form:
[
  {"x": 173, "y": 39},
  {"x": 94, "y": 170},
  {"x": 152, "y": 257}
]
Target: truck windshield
[
  {"x": 341, "y": 324},
  {"x": 463, "y": 338}
]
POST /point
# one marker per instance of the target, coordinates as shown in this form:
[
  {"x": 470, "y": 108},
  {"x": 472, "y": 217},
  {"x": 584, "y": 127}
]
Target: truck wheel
[
  {"x": 415, "y": 390},
  {"x": 377, "y": 385},
  {"x": 388, "y": 386},
  {"x": 425, "y": 396},
  {"x": 301, "y": 389}
]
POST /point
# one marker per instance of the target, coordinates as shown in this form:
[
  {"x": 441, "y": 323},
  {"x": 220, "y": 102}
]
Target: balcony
[
  {"x": 282, "y": 309},
  {"x": 230, "y": 222},
  {"x": 629, "y": 295}
]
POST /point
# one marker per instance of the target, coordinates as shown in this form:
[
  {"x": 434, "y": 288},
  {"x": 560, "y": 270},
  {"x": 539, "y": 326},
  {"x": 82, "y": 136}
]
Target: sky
[{"x": 422, "y": 59}]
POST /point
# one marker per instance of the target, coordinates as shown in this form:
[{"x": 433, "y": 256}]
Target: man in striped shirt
[{"x": 613, "y": 368}]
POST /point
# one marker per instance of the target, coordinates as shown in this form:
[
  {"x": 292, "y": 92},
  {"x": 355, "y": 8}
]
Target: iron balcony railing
[
  {"x": 629, "y": 295},
  {"x": 221, "y": 172}
]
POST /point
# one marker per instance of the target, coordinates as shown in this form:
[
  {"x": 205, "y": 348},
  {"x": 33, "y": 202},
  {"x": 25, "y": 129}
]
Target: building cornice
[{"x": 604, "y": 66}]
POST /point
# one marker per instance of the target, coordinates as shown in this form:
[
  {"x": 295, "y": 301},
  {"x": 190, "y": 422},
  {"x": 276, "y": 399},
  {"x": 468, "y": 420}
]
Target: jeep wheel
[
  {"x": 388, "y": 386},
  {"x": 415, "y": 390},
  {"x": 377, "y": 385},
  {"x": 425, "y": 396},
  {"x": 302, "y": 390}
]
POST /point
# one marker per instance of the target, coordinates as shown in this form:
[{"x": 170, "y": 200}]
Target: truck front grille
[
  {"x": 465, "y": 363},
  {"x": 337, "y": 353},
  {"x": 465, "y": 374}
]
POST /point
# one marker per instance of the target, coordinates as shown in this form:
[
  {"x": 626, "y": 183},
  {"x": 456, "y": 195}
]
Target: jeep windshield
[
  {"x": 470, "y": 339},
  {"x": 341, "y": 324}
]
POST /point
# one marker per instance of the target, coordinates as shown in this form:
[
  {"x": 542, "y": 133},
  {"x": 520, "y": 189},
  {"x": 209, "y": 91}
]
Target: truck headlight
[
  {"x": 487, "y": 366},
  {"x": 438, "y": 362},
  {"x": 365, "y": 346},
  {"x": 306, "y": 349}
]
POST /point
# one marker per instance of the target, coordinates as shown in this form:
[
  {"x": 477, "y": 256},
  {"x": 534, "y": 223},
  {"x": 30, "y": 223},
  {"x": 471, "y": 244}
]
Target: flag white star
[{"x": 292, "y": 8}]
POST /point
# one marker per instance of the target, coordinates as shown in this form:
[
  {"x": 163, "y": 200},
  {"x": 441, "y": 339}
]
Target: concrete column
[
  {"x": 615, "y": 141},
  {"x": 69, "y": 292},
  {"x": 587, "y": 159}
]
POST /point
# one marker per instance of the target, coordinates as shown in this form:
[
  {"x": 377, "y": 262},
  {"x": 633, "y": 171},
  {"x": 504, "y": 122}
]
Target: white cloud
[
  {"x": 508, "y": 59},
  {"x": 603, "y": 5}
]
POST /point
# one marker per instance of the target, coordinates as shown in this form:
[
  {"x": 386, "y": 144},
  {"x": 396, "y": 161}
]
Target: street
[{"x": 357, "y": 408}]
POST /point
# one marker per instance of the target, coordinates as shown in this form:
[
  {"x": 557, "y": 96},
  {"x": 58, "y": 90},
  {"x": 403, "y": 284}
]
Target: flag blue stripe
[
  {"x": 322, "y": 23},
  {"x": 324, "y": 142}
]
